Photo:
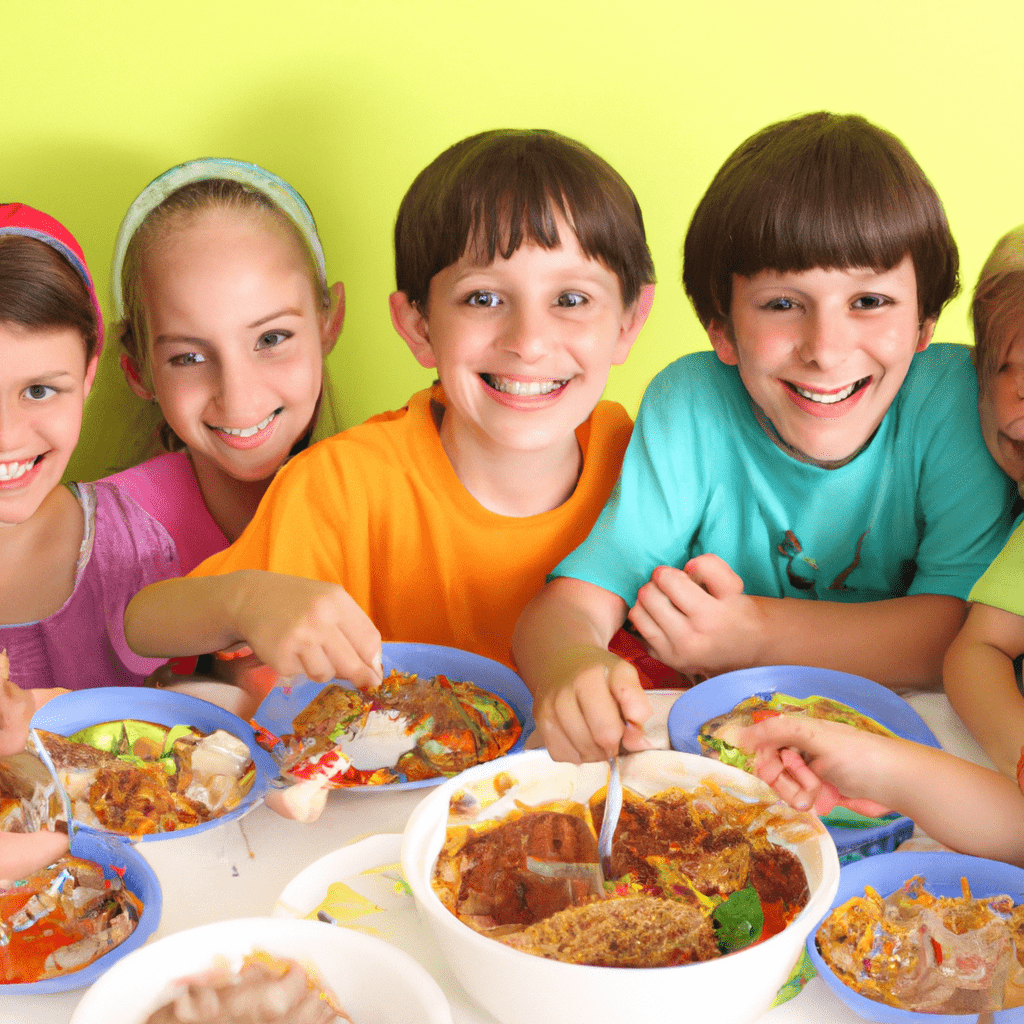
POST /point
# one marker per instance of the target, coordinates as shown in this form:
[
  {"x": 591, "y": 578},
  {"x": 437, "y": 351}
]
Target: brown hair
[
  {"x": 821, "y": 190},
  {"x": 182, "y": 205},
  {"x": 998, "y": 305},
  {"x": 40, "y": 289},
  {"x": 502, "y": 187}
]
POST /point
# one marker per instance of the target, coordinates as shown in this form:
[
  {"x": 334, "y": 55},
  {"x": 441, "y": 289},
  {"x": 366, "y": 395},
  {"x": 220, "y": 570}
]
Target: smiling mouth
[
  {"x": 829, "y": 397},
  {"x": 16, "y": 470},
  {"x": 528, "y": 388},
  {"x": 249, "y": 431}
]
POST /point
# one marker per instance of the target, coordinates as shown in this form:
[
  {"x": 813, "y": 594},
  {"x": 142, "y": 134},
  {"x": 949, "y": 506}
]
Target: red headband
[{"x": 19, "y": 219}]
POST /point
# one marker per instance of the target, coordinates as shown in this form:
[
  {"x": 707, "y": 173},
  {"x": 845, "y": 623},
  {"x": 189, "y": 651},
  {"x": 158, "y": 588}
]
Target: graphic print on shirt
[{"x": 802, "y": 570}]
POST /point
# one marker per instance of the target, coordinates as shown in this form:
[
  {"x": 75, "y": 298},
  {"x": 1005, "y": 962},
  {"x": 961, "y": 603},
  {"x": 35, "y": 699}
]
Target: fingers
[{"x": 714, "y": 575}]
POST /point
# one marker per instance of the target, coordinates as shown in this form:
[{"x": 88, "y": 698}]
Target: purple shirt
[{"x": 82, "y": 644}]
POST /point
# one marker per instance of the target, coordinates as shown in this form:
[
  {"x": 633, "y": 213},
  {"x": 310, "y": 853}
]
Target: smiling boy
[
  {"x": 523, "y": 274},
  {"x": 815, "y": 491}
]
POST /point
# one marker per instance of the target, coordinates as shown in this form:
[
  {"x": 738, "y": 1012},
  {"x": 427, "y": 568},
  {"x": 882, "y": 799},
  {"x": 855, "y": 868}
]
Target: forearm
[
  {"x": 192, "y": 615},
  {"x": 961, "y": 804},
  {"x": 982, "y": 688},
  {"x": 563, "y": 617},
  {"x": 898, "y": 643}
]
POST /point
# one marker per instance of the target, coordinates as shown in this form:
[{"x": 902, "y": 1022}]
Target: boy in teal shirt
[{"x": 798, "y": 495}]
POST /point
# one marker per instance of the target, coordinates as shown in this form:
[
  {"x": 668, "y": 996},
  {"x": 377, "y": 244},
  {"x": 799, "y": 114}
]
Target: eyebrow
[
  {"x": 287, "y": 311},
  {"x": 52, "y": 375}
]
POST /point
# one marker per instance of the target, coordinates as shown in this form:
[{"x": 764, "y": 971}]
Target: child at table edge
[
  {"x": 819, "y": 240},
  {"x": 523, "y": 274}
]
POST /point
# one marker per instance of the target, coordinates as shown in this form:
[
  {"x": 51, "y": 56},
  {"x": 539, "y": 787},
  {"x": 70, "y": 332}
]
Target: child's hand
[
  {"x": 697, "y": 619},
  {"x": 814, "y": 764},
  {"x": 299, "y": 626},
  {"x": 594, "y": 707}
]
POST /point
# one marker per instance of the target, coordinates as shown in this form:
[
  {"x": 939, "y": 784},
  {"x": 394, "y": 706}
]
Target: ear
[
  {"x": 334, "y": 319},
  {"x": 90, "y": 373},
  {"x": 133, "y": 375},
  {"x": 633, "y": 320},
  {"x": 924, "y": 334},
  {"x": 722, "y": 341},
  {"x": 411, "y": 324}
]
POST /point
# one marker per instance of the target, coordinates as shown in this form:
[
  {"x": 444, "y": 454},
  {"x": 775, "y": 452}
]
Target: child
[
  {"x": 72, "y": 557},
  {"x": 797, "y": 496},
  {"x": 979, "y": 668},
  {"x": 225, "y": 317},
  {"x": 523, "y": 274}
]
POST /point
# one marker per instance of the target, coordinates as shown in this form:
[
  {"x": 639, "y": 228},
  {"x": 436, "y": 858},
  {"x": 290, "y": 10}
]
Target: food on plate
[
  {"x": 61, "y": 919},
  {"x": 406, "y": 730},
  {"x": 140, "y": 778},
  {"x": 717, "y": 736},
  {"x": 266, "y": 990},
  {"x": 694, "y": 875},
  {"x": 926, "y": 953}
]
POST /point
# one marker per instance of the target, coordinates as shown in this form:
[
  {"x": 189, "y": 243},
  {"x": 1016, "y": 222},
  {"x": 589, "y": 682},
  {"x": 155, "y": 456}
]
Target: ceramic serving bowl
[
  {"x": 375, "y": 982},
  {"x": 79, "y": 709},
  {"x": 116, "y": 858},
  {"x": 942, "y": 873},
  {"x": 518, "y": 988}
]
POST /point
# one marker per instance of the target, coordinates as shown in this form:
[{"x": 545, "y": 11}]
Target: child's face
[
  {"x": 44, "y": 380},
  {"x": 237, "y": 339},
  {"x": 824, "y": 352},
  {"x": 1001, "y": 410},
  {"x": 522, "y": 346}
]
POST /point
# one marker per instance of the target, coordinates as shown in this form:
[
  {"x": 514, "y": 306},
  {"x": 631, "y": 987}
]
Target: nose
[
  {"x": 11, "y": 426},
  {"x": 822, "y": 342},
  {"x": 241, "y": 392},
  {"x": 526, "y": 334}
]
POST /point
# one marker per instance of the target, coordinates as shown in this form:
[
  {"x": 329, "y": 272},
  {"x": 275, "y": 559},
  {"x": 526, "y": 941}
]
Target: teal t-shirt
[{"x": 923, "y": 509}]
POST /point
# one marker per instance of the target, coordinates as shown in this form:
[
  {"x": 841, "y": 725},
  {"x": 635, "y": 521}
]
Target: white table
[{"x": 239, "y": 870}]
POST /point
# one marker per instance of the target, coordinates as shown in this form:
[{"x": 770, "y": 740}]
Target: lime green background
[{"x": 349, "y": 100}]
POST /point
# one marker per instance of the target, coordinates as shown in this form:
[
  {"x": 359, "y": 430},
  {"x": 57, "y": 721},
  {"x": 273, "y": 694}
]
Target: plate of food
[
  {"x": 439, "y": 711},
  {"x": 360, "y": 978},
  {"x": 151, "y": 764},
  {"x": 925, "y": 938},
  {"x": 66, "y": 925},
  {"x": 705, "y": 719}
]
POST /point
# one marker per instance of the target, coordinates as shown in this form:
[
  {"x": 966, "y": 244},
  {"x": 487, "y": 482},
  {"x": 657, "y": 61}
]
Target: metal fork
[{"x": 612, "y": 808}]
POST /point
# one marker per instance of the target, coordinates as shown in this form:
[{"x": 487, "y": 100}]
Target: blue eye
[
  {"x": 187, "y": 359},
  {"x": 870, "y": 302},
  {"x": 570, "y": 300},
  {"x": 482, "y": 300},
  {"x": 272, "y": 339},
  {"x": 781, "y": 305},
  {"x": 38, "y": 392}
]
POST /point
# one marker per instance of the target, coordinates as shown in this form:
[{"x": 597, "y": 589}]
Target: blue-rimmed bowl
[
  {"x": 854, "y": 835},
  {"x": 115, "y": 857},
  {"x": 942, "y": 873},
  {"x": 280, "y": 706},
  {"x": 80, "y": 709}
]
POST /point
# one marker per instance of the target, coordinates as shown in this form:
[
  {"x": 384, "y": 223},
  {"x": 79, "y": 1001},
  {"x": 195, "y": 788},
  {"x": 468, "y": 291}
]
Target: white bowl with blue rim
[
  {"x": 117, "y": 859},
  {"x": 855, "y": 835},
  {"x": 942, "y": 873},
  {"x": 281, "y": 705},
  {"x": 80, "y": 709}
]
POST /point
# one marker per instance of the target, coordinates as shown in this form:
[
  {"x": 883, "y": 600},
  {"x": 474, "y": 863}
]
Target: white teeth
[
  {"x": 249, "y": 431},
  {"x": 522, "y": 387},
  {"x": 831, "y": 399},
  {"x": 16, "y": 470}
]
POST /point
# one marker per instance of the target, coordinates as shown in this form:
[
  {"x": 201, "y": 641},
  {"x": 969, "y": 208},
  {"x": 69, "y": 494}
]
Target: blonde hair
[
  {"x": 997, "y": 309},
  {"x": 179, "y": 209}
]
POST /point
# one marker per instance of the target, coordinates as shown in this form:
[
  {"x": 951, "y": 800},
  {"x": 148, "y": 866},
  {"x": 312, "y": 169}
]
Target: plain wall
[{"x": 349, "y": 101}]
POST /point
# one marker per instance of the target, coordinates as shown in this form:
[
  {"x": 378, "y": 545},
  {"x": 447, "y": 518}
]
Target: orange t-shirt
[{"x": 378, "y": 509}]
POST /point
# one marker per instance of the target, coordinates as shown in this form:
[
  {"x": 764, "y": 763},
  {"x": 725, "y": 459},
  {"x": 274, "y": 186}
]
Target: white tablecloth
[{"x": 239, "y": 870}]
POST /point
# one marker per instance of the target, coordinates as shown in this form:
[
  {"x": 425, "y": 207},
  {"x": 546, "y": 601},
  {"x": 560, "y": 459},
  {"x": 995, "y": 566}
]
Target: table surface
[{"x": 240, "y": 869}]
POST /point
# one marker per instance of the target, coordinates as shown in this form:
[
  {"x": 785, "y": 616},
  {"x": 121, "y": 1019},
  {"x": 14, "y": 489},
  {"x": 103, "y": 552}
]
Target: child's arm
[
  {"x": 698, "y": 620},
  {"x": 587, "y": 701},
  {"x": 956, "y": 802},
  {"x": 294, "y": 625},
  {"x": 981, "y": 684}
]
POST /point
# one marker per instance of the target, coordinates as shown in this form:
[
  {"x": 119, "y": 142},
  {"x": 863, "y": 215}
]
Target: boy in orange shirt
[{"x": 523, "y": 274}]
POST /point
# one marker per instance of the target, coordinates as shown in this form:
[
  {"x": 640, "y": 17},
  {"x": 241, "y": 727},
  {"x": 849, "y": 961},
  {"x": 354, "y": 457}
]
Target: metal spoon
[{"x": 612, "y": 809}]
